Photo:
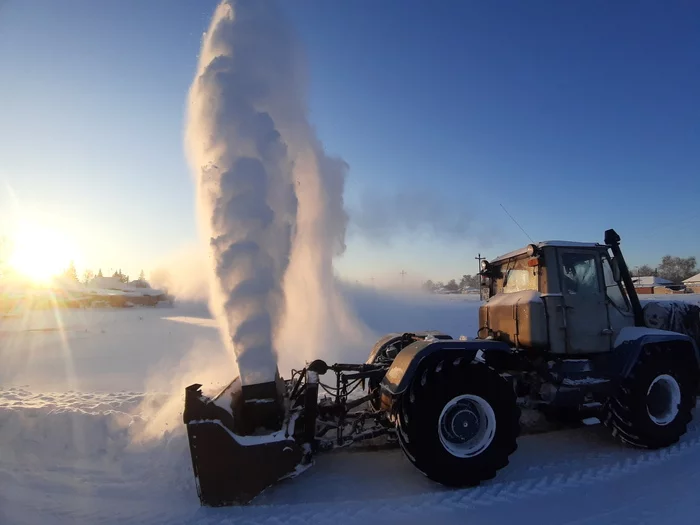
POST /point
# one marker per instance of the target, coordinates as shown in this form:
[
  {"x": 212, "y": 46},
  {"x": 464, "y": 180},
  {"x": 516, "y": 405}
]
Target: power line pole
[{"x": 480, "y": 258}]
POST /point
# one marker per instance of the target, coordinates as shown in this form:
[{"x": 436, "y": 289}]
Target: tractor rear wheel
[
  {"x": 459, "y": 424},
  {"x": 654, "y": 403}
]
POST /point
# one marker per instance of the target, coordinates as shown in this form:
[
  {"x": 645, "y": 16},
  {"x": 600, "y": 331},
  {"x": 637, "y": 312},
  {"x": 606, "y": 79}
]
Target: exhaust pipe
[{"x": 243, "y": 440}]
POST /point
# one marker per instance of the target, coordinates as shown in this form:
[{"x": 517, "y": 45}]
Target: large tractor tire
[
  {"x": 459, "y": 424},
  {"x": 654, "y": 404}
]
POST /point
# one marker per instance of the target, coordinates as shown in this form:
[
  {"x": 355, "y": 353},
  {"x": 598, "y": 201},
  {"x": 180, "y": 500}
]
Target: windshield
[{"x": 515, "y": 276}]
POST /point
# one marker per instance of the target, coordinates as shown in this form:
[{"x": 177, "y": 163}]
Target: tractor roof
[{"x": 560, "y": 244}]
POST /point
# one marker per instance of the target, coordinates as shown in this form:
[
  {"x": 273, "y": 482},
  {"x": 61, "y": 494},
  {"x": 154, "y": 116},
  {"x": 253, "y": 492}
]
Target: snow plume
[
  {"x": 318, "y": 323},
  {"x": 426, "y": 212},
  {"x": 266, "y": 191},
  {"x": 182, "y": 273},
  {"x": 206, "y": 363}
]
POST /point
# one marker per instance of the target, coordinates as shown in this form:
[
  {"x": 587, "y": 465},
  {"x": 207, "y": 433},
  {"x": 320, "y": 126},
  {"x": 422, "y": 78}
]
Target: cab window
[
  {"x": 516, "y": 276},
  {"x": 580, "y": 274},
  {"x": 612, "y": 288}
]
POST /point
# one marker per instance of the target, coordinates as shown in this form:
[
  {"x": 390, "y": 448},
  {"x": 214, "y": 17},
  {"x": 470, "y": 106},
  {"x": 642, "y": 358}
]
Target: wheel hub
[
  {"x": 466, "y": 425},
  {"x": 663, "y": 399},
  {"x": 461, "y": 422}
]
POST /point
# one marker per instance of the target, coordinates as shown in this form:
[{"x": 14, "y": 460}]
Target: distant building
[
  {"x": 107, "y": 283},
  {"x": 139, "y": 283},
  {"x": 651, "y": 284},
  {"x": 650, "y": 280},
  {"x": 693, "y": 283}
]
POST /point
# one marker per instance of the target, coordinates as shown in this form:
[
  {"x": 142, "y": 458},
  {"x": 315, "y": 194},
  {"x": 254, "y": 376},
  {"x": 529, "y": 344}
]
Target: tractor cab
[{"x": 558, "y": 296}]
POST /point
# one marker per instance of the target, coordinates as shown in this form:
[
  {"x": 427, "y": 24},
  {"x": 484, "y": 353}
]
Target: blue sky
[{"x": 575, "y": 116}]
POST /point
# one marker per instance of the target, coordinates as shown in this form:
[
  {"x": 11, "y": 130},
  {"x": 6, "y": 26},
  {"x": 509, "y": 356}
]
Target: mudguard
[
  {"x": 391, "y": 338},
  {"x": 631, "y": 340},
  {"x": 380, "y": 344},
  {"x": 404, "y": 367}
]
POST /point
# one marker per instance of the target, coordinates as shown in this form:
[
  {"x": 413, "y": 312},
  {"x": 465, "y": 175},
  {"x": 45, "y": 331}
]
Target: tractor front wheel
[{"x": 459, "y": 424}]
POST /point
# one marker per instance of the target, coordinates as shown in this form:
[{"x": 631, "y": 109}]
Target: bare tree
[
  {"x": 643, "y": 271},
  {"x": 71, "y": 273},
  {"x": 429, "y": 286},
  {"x": 677, "y": 269},
  {"x": 469, "y": 281},
  {"x": 452, "y": 286}
]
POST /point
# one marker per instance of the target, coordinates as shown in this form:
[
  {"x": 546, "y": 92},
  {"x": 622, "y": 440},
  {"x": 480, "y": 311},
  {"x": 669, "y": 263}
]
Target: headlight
[
  {"x": 484, "y": 265},
  {"x": 531, "y": 249}
]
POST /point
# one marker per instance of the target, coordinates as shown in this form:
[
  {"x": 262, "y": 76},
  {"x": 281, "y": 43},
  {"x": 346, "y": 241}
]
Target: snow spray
[{"x": 270, "y": 202}]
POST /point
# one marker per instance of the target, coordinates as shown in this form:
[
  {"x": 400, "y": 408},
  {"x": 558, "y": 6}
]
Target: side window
[
  {"x": 612, "y": 288},
  {"x": 580, "y": 274}
]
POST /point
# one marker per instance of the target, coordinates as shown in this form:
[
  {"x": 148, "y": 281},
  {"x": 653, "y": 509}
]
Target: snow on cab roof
[{"x": 560, "y": 244}]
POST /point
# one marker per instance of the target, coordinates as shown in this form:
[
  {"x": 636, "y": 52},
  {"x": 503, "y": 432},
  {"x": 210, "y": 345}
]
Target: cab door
[{"x": 583, "y": 294}]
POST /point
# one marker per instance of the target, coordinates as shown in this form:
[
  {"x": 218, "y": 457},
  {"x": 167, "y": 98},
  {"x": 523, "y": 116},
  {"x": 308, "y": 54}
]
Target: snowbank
[{"x": 72, "y": 431}]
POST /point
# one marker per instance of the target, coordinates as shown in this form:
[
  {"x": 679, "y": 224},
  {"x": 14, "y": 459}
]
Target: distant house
[
  {"x": 651, "y": 284},
  {"x": 117, "y": 293},
  {"x": 107, "y": 283},
  {"x": 693, "y": 283},
  {"x": 650, "y": 280}
]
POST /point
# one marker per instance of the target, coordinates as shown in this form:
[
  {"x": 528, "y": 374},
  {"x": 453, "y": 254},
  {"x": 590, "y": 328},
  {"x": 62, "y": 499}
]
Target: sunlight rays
[
  {"x": 40, "y": 252},
  {"x": 69, "y": 370},
  {"x": 40, "y": 243}
]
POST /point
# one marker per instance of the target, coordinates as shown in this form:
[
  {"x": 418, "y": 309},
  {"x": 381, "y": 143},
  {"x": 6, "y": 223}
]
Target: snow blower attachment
[
  {"x": 562, "y": 331},
  {"x": 248, "y": 437},
  {"x": 240, "y": 441}
]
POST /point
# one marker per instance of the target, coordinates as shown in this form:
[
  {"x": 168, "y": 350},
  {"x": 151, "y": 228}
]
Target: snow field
[{"x": 90, "y": 432}]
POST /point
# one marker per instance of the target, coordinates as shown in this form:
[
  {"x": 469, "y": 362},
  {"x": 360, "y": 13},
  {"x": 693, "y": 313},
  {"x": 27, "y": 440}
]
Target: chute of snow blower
[{"x": 246, "y": 438}]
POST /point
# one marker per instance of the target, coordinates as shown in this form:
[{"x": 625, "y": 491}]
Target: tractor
[{"x": 561, "y": 330}]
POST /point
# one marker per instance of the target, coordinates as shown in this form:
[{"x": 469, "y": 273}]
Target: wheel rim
[
  {"x": 663, "y": 399},
  {"x": 466, "y": 426}
]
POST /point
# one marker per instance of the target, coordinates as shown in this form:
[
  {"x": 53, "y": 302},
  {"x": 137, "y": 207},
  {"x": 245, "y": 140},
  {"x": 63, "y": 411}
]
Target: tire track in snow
[
  {"x": 432, "y": 505},
  {"x": 398, "y": 509},
  {"x": 167, "y": 504}
]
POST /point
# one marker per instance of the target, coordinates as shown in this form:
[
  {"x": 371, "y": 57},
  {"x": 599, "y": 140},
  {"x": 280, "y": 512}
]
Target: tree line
[
  {"x": 466, "y": 281},
  {"x": 675, "y": 269},
  {"x": 71, "y": 273}
]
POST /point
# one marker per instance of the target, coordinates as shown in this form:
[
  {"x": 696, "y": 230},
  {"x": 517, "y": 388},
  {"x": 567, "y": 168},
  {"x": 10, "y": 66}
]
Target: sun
[{"x": 39, "y": 252}]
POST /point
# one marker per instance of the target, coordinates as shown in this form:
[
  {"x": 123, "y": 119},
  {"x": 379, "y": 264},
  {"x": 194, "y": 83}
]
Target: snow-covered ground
[{"x": 90, "y": 433}]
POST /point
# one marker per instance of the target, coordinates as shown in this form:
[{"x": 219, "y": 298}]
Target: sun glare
[{"x": 39, "y": 252}]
